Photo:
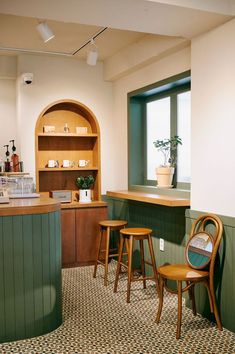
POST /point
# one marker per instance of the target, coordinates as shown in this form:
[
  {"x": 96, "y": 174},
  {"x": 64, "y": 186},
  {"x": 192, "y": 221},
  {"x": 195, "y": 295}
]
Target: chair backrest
[{"x": 212, "y": 225}]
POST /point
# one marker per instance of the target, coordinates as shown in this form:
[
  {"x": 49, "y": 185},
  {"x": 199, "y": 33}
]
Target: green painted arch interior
[{"x": 30, "y": 275}]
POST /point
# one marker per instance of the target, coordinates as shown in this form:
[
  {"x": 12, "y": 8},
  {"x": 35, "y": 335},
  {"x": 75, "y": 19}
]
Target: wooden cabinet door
[
  {"x": 87, "y": 229},
  {"x": 68, "y": 237}
]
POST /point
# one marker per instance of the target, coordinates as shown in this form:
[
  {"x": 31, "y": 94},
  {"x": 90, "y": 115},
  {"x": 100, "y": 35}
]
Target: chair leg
[
  {"x": 179, "y": 288},
  {"x": 106, "y": 256},
  {"x": 150, "y": 243},
  {"x": 119, "y": 263},
  {"x": 160, "y": 294},
  {"x": 98, "y": 252},
  {"x": 142, "y": 262},
  {"x": 129, "y": 268},
  {"x": 211, "y": 293},
  {"x": 192, "y": 298}
]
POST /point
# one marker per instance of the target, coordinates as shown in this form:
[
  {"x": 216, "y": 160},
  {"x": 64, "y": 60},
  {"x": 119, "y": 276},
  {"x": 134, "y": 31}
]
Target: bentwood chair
[{"x": 200, "y": 254}]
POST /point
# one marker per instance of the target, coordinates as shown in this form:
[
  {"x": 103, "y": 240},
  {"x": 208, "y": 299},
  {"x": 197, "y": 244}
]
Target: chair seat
[{"x": 182, "y": 272}]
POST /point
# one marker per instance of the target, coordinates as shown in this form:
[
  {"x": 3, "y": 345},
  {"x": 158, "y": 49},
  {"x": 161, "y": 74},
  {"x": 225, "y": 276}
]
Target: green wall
[
  {"x": 166, "y": 222},
  {"x": 30, "y": 275}
]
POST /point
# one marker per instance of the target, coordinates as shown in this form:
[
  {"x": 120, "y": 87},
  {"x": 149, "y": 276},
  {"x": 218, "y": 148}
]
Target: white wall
[
  {"x": 58, "y": 78},
  {"x": 8, "y": 124},
  {"x": 161, "y": 69},
  {"x": 213, "y": 121}
]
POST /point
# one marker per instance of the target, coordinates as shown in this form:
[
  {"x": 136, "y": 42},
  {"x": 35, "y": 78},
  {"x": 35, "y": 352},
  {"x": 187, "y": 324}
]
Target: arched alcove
[{"x": 59, "y": 143}]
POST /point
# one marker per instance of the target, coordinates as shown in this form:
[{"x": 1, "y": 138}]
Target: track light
[
  {"x": 92, "y": 54},
  {"x": 45, "y": 31}
]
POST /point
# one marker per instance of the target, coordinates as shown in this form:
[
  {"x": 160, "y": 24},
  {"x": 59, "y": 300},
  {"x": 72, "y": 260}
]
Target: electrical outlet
[{"x": 161, "y": 244}]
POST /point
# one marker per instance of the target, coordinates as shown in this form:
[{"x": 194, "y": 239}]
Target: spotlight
[
  {"x": 45, "y": 31},
  {"x": 92, "y": 54}
]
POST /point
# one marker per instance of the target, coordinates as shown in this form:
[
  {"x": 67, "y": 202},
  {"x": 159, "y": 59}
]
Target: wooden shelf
[
  {"x": 61, "y": 146},
  {"x": 79, "y": 221},
  {"x": 68, "y": 169},
  {"x": 68, "y": 135},
  {"x": 166, "y": 200}
]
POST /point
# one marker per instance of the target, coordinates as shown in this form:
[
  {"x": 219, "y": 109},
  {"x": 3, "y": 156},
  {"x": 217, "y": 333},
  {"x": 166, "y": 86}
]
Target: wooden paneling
[
  {"x": 68, "y": 237},
  {"x": 66, "y": 179},
  {"x": 69, "y": 142},
  {"x": 30, "y": 275},
  {"x": 80, "y": 228},
  {"x": 87, "y": 229}
]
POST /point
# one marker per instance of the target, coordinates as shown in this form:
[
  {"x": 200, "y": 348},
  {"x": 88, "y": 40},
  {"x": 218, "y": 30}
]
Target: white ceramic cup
[
  {"x": 66, "y": 163},
  {"x": 51, "y": 163},
  {"x": 83, "y": 163}
]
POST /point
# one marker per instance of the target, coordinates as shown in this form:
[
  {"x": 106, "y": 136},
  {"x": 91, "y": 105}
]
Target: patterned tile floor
[{"x": 97, "y": 321}]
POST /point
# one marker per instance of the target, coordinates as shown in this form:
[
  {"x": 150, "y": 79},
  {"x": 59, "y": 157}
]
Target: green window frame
[{"x": 137, "y": 121}]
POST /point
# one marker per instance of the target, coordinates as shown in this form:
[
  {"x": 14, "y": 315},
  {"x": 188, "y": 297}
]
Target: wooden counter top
[
  {"x": 29, "y": 206},
  {"x": 77, "y": 205},
  {"x": 166, "y": 200}
]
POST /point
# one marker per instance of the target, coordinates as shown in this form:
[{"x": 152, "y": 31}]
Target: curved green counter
[{"x": 30, "y": 268}]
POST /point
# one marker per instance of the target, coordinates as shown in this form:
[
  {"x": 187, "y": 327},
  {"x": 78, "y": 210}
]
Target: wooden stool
[
  {"x": 106, "y": 227},
  {"x": 128, "y": 235}
]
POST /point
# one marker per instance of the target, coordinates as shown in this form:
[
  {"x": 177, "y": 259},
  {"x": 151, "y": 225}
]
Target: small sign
[{"x": 48, "y": 129}]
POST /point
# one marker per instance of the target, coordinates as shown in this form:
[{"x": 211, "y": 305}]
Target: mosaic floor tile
[{"x": 97, "y": 321}]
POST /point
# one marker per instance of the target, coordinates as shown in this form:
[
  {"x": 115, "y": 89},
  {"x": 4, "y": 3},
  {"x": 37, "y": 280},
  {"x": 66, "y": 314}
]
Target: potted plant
[
  {"x": 165, "y": 172},
  {"x": 84, "y": 183}
]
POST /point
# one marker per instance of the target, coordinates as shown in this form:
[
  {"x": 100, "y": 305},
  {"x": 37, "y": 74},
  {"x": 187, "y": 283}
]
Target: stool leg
[
  {"x": 142, "y": 262},
  {"x": 153, "y": 262},
  {"x": 106, "y": 257},
  {"x": 98, "y": 251},
  {"x": 161, "y": 294},
  {"x": 129, "y": 268},
  {"x": 119, "y": 263}
]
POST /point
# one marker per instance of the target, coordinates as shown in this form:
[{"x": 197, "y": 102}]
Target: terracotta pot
[{"x": 164, "y": 176}]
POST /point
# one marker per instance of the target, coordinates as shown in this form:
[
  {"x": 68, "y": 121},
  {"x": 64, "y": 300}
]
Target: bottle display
[
  {"x": 7, "y": 164},
  {"x": 1, "y": 165},
  {"x": 15, "y": 164}
]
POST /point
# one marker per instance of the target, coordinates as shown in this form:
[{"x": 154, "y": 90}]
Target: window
[
  {"x": 158, "y": 112},
  {"x": 184, "y": 131},
  {"x": 158, "y": 121}
]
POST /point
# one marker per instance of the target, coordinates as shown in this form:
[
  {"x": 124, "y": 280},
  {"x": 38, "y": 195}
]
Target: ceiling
[
  {"x": 20, "y": 32},
  {"x": 75, "y": 22}
]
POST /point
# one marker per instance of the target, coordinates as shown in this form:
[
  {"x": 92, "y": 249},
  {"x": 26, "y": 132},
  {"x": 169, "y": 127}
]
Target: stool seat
[
  {"x": 113, "y": 223},
  {"x": 136, "y": 231},
  {"x": 129, "y": 235},
  {"x": 106, "y": 226}
]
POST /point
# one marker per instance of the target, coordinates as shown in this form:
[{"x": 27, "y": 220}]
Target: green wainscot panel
[
  {"x": 30, "y": 275},
  {"x": 166, "y": 222}
]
